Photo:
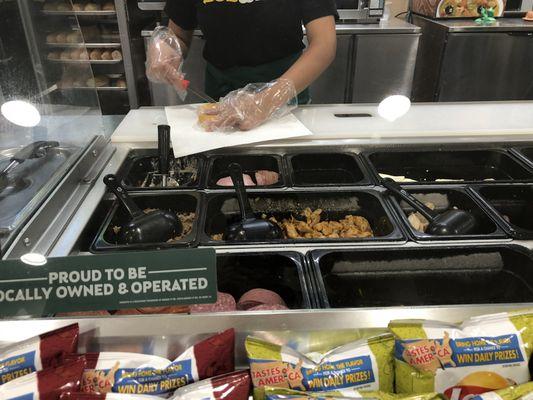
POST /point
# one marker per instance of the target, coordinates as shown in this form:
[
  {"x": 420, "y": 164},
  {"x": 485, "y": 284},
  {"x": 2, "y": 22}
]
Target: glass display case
[
  {"x": 50, "y": 112},
  {"x": 351, "y": 249}
]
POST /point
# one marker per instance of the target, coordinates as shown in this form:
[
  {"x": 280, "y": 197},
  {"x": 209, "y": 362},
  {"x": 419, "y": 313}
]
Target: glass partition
[{"x": 49, "y": 106}]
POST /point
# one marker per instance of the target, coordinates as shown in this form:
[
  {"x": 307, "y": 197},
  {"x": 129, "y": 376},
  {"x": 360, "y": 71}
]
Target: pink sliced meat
[
  {"x": 226, "y": 181},
  {"x": 257, "y": 297},
  {"x": 128, "y": 311},
  {"x": 265, "y": 178},
  {"x": 100, "y": 313},
  {"x": 268, "y": 307},
  {"x": 225, "y": 303}
]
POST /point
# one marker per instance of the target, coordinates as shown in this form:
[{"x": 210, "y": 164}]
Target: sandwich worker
[{"x": 256, "y": 63}]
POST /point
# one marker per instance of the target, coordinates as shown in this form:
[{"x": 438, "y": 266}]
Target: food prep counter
[
  {"x": 326, "y": 290},
  {"x": 346, "y": 241}
]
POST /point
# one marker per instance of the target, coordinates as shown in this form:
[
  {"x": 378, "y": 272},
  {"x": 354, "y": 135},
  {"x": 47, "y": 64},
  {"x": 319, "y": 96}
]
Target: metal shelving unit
[{"x": 113, "y": 100}]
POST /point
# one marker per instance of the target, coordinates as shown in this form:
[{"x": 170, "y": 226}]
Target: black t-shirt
[{"x": 248, "y": 32}]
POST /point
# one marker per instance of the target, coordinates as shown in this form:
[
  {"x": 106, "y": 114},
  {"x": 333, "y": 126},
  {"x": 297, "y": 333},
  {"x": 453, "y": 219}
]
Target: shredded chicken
[
  {"x": 311, "y": 227},
  {"x": 351, "y": 226}
]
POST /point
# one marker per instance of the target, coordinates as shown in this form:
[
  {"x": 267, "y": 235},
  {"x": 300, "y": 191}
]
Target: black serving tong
[
  {"x": 164, "y": 155},
  {"x": 249, "y": 227},
  {"x": 31, "y": 151},
  {"x": 163, "y": 145},
  {"x": 450, "y": 222},
  {"x": 156, "y": 226}
]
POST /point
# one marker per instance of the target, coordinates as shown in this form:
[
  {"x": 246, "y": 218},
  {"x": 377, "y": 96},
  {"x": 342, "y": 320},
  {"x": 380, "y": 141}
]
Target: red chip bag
[
  {"x": 233, "y": 386},
  {"x": 37, "y": 353},
  {"x": 122, "y": 372},
  {"x": 47, "y": 384}
]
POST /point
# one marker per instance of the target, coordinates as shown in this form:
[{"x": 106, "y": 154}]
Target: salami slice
[
  {"x": 257, "y": 297},
  {"x": 225, "y": 302},
  {"x": 268, "y": 307}
]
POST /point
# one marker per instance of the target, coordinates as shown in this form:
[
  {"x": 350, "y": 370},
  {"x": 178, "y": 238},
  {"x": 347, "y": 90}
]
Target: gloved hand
[
  {"x": 164, "y": 60},
  {"x": 249, "y": 107}
]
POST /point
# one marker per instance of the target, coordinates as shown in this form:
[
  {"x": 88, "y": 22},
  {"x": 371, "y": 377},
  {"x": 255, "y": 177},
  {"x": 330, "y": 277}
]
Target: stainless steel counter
[
  {"x": 501, "y": 25},
  {"x": 394, "y": 25}
]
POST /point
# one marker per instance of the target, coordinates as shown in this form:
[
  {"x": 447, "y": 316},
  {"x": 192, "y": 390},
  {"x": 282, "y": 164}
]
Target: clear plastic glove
[
  {"x": 249, "y": 107},
  {"x": 164, "y": 60}
]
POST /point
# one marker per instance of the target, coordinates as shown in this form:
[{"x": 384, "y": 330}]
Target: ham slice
[
  {"x": 226, "y": 181},
  {"x": 266, "y": 178}
]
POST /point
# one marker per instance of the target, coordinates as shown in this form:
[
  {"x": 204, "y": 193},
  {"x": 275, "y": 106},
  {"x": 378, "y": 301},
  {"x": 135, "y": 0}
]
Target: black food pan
[
  {"x": 326, "y": 169},
  {"x": 182, "y": 203},
  {"x": 525, "y": 154},
  {"x": 281, "y": 272},
  {"x": 136, "y": 173},
  {"x": 222, "y": 210},
  {"x": 512, "y": 205},
  {"x": 448, "y": 167},
  {"x": 250, "y": 164},
  {"x": 390, "y": 277},
  {"x": 446, "y": 198}
]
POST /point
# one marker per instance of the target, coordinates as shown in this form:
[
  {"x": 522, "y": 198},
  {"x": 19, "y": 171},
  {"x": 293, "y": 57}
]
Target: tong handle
[
  {"x": 235, "y": 172},
  {"x": 395, "y": 188},
  {"x": 163, "y": 144},
  {"x": 114, "y": 185}
]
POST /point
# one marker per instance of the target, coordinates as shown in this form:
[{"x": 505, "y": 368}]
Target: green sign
[{"x": 108, "y": 282}]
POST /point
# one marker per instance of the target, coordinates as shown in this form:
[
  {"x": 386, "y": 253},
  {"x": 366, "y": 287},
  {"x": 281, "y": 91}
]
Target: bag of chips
[
  {"x": 106, "y": 396},
  {"x": 273, "y": 393},
  {"x": 145, "y": 374},
  {"x": 47, "y": 384},
  {"x": 233, "y": 386},
  {"x": 482, "y": 354},
  {"x": 363, "y": 364},
  {"x": 520, "y": 392},
  {"x": 37, "y": 353}
]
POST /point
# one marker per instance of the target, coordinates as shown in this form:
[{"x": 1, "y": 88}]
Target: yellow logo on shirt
[{"x": 228, "y": 1}]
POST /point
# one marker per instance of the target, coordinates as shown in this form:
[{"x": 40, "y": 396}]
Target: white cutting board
[
  {"x": 139, "y": 126},
  {"x": 188, "y": 137}
]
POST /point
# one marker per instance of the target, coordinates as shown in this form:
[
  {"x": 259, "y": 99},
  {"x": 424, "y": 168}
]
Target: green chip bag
[
  {"x": 482, "y": 354},
  {"x": 520, "y": 392},
  {"x": 363, "y": 364},
  {"x": 273, "y": 393}
]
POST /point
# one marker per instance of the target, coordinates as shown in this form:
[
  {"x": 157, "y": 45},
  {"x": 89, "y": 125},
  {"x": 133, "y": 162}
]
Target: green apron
[{"x": 219, "y": 83}]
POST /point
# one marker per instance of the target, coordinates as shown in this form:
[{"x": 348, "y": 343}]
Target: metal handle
[
  {"x": 393, "y": 187},
  {"x": 235, "y": 172},
  {"x": 163, "y": 135},
  {"x": 114, "y": 185},
  {"x": 34, "y": 150}
]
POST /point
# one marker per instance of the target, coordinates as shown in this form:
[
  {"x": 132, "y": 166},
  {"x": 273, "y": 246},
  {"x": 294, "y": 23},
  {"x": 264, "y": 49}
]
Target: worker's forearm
[{"x": 312, "y": 63}]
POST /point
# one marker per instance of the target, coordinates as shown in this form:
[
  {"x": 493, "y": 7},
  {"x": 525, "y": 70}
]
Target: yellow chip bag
[
  {"x": 520, "y": 392},
  {"x": 363, "y": 364},
  {"x": 482, "y": 354},
  {"x": 274, "y": 393}
]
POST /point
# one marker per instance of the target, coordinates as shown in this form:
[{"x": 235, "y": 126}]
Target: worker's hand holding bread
[{"x": 249, "y": 107}]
